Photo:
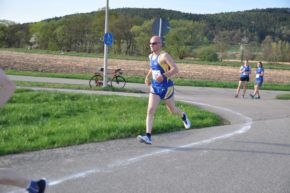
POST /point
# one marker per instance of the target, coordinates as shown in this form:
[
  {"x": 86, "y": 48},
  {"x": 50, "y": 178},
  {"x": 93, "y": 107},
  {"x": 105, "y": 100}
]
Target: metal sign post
[
  {"x": 106, "y": 48},
  {"x": 160, "y": 27}
]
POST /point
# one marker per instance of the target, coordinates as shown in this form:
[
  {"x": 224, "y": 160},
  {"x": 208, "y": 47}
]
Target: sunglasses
[{"x": 153, "y": 43}]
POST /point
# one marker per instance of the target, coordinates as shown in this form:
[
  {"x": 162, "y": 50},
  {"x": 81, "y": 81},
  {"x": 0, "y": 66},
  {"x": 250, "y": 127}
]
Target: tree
[
  {"x": 207, "y": 53},
  {"x": 121, "y": 29},
  {"x": 81, "y": 38},
  {"x": 17, "y": 36},
  {"x": 286, "y": 52},
  {"x": 184, "y": 36},
  {"x": 222, "y": 40},
  {"x": 43, "y": 36},
  {"x": 275, "y": 51},
  {"x": 142, "y": 36},
  {"x": 244, "y": 48},
  {"x": 281, "y": 52},
  {"x": 98, "y": 24},
  {"x": 267, "y": 48},
  {"x": 3, "y": 34},
  {"x": 177, "y": 43}
]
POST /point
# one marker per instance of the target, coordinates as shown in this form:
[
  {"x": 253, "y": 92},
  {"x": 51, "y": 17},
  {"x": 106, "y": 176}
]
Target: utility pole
[{"x": 106, "y": 47}]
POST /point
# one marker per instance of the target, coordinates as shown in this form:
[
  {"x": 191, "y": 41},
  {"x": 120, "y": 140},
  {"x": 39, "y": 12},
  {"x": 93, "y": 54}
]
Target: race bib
[
  {"x": 245, "y": 73},
  {"x": 257, "y": 75},
  {"x": 155, "y": 74}
]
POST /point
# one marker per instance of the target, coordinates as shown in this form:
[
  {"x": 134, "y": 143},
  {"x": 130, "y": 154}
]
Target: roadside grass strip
[{"x": 35, "y": 120}]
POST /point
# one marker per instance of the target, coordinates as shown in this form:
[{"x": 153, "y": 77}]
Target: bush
[{"x": 207, "y": 54}]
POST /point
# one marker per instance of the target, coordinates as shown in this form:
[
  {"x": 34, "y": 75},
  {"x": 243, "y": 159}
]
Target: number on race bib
[{"x": 155, "y": 74}]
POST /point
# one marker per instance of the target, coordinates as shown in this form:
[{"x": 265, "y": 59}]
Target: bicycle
[{"x": 117, "y": 80}]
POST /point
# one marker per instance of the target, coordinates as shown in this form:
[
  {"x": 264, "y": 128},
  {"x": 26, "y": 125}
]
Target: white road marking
[{"x": 245, "y": 128}]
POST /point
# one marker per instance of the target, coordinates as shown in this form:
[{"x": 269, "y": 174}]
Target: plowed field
[{"x": 73, "y": 64}]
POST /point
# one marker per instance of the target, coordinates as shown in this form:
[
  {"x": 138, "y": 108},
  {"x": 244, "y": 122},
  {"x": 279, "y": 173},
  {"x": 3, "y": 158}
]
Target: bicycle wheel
[
  {"x": 118, "y": 82},
  {"x": 96, "y": 80}
]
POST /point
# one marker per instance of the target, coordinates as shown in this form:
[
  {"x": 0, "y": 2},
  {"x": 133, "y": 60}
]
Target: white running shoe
[
  {"x": 186, "y": 121},
  {"x": 144, "y": 139}
]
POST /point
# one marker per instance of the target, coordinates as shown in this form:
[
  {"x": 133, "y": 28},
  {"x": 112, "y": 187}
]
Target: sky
[{"x": 24, "y": 11}]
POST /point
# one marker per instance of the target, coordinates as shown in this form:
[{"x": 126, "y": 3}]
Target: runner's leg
[{"x": 153, "y": 102}]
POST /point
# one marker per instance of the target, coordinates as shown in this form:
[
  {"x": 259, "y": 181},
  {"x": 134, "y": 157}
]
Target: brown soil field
[{"x": 84, "y": 65}]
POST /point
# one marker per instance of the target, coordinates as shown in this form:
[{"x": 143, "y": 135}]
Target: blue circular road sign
[{"x": 108, "y": 39}]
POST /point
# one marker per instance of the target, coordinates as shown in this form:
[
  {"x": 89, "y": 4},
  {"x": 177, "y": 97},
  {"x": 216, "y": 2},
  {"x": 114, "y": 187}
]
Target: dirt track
[{"x": 73, "y": 64}]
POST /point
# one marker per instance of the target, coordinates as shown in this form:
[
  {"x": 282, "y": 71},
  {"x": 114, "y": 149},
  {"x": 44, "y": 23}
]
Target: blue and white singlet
[
  {"x": 246, "y": 71},
  {"x": 259, "y": 70},
  {"x": 164, "y": 89}
]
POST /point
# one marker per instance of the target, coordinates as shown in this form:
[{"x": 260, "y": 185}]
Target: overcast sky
[{"x": 23, "y": 11}]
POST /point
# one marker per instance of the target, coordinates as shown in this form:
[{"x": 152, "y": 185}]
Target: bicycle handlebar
[{"x": 116, "y": 71}]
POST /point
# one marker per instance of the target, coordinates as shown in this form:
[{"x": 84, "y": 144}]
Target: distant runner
[
  {"x": 245, "y": 71},
  {"x": 259, "y": 81}
]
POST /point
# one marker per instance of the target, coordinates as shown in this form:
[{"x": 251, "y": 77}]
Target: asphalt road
[{"x": 250, "y": 155}]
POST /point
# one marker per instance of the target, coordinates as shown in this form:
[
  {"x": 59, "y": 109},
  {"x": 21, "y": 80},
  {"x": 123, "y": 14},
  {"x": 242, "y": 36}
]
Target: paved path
[{"x": 251, "y": 155}]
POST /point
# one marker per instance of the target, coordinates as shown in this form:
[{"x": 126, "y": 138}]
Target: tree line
[{"x": 256, "y": 34}]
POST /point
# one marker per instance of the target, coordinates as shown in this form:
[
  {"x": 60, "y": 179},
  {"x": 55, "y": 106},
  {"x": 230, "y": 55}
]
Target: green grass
[
  {"x": 47, "y": 74},
  {"x": 283, "y": 97},
  {"x": 179, "y": 82},
  {"x": 134, "y": 79},
  {"x": 74, "y": 86},
  {"x": 34, "y": 120}
]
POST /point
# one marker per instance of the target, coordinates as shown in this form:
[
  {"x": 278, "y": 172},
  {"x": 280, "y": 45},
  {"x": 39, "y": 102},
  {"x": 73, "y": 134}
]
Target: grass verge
[
  {"x": 180, "y": 82},
  {"x": 283, "y": 97},
  {"x": 75, "y": 86},
  {"x": 34, "y": 120}
]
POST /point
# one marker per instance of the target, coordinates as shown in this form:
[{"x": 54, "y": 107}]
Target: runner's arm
[
  {"x": 173, "y": 67},
  {"x": 147, "y": 78}
]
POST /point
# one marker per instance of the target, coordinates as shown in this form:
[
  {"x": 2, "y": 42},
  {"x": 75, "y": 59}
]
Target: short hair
[{"x": 160, "y": 39}]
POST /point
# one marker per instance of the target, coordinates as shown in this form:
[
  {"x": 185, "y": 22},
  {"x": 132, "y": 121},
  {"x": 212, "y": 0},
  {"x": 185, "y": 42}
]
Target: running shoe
[
  {"x": 37, "y": 186},
  {"x": 252, "y": 96},
  {"x": 144, "y": 139},
  {"x": 186, "y": 121}
]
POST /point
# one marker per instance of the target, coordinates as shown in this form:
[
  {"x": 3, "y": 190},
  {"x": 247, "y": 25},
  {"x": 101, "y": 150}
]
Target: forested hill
[
  {"x": 155, "y": 12},
  {"x": 6, "y": 22},
  {"x": 190, "y": 35},
  {"x": 273, "y": 21},
  {"x": 171, "y": 14}
]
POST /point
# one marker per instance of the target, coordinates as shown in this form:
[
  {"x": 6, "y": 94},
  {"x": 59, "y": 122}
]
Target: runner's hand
[
  {"x": 147, "y": 82},
  {"x": 159, "y": 78}
]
